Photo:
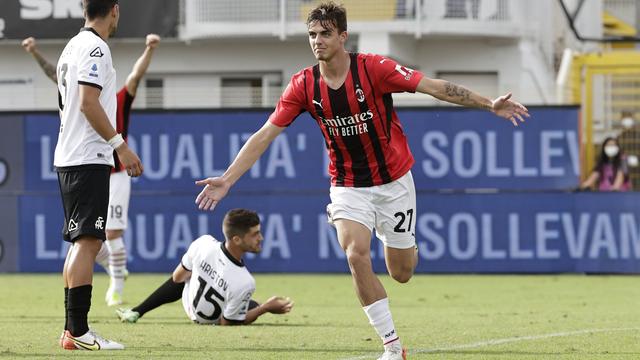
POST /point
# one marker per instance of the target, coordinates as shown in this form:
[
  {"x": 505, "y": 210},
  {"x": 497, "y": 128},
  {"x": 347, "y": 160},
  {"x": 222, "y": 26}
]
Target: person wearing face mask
[{"x": 610, "y": 172}]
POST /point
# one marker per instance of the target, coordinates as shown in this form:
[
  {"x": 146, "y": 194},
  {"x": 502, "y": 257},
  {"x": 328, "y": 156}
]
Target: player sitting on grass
[{"x": 214, "y": 284}]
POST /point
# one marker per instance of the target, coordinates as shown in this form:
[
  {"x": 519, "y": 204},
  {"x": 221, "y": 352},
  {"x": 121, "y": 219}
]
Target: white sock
[
  {"x": 380, "y": 318},
  {"x": 103, "y": 257},
  {"x": 117, "y": 263}
]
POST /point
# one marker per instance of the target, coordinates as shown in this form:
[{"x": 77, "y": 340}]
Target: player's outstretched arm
[
  {"x": 217, "y": 187},
  {"x": 93, "y": 111},
  {"x": 275, "y": 305},
  {"x": 142, "y": 64},
  {"x": 502, "y": 106},
  {"x": 29, "y": 45}
]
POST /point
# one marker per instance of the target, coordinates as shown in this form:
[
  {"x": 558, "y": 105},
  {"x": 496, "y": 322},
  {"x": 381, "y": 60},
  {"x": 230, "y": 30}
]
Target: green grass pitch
[{"x": 438, "y": 317}]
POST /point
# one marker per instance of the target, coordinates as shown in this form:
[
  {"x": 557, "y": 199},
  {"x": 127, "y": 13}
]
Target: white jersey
[
  {"x": 86, "y": 60},
  {"x": 219, "y": 285}
]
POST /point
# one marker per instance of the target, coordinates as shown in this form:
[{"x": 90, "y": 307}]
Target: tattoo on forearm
[
  {"x": 459, "y": 92},
  {"x": 461, "y": 95},
  {"x": 48, "y": 69}
]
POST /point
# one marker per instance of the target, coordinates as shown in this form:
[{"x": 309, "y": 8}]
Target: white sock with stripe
[
  {"x": 103, "y": 257},
  {"x": 117, "y": 262},
  {"x": 380, "y": 318}
]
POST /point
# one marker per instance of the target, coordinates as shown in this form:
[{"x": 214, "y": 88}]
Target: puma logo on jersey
[
  {"x": 97, "y": 52},
  {"x": 318, "y": 103}
]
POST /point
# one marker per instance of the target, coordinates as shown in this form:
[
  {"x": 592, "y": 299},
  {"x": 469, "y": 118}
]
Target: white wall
[
  {"x": 524, "y": 63},
  {"x": 172, "y": 57}
]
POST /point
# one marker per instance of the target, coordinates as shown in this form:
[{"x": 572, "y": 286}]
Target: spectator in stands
[
  {"x": 626, "y": 120},
  {"x": 611, "y": 172}
]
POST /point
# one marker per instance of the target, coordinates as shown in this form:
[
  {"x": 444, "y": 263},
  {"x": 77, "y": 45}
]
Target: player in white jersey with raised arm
[
  {"x": 213, "y": 281},
  {"x": 83, "y": 160}
]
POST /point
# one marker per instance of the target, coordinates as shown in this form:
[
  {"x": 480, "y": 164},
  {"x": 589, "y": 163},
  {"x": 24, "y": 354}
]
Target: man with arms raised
[
  {"x": 84, "y": 158},
  {"x": 349, "y": 96},
  {"x": 212, "y": 279}
]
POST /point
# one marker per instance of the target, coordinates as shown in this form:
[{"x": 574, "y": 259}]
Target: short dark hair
[
  {"x": 98, "y": 8},
  {"x": 329, "y": 14},
  {"x": 239, "y": 222}
]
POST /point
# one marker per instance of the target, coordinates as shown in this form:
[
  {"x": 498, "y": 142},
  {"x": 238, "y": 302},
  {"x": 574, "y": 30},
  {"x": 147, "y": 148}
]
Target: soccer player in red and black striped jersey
[
  {"x": 113, "y": 255},
  {"x": 349, "y": 96}
]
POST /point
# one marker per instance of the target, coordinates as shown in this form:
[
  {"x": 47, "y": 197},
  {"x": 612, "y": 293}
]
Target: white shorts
[
  {"x": 119, "y": 194},
  {"x": 389, "y": 209}
]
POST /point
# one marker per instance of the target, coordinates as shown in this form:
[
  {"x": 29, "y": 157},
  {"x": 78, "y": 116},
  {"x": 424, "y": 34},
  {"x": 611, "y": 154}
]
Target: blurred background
[{"x": 491, "y": 198}]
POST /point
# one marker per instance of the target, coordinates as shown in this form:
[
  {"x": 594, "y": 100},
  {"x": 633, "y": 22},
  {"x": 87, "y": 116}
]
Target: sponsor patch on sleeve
[
  {"x": 94, "y": 71},
  {"x": 97, "y": 52}
]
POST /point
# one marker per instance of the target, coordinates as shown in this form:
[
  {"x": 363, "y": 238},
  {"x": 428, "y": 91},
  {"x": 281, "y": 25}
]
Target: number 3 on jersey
[
  {"x": 62, "y": 99},
  {"x": 208, "y": 297}
]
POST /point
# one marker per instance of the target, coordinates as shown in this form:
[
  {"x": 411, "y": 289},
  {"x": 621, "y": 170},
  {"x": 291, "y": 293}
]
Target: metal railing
[{"x": 282, "y": 18}]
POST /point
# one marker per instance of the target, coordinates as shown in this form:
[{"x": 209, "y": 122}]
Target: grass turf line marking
[{"x": 502, "y": 341}]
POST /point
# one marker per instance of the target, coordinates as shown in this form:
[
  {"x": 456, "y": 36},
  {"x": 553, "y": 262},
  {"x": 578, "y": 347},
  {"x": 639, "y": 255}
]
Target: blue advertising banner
[
  {"x": 459, "y": 233},
  {"x": 454, "y": 149},
  {"x": 463, "y": 149}
]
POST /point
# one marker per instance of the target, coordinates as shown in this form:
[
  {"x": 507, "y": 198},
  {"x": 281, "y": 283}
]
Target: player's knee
[
  {"x": 357, "y": 257},
  {"x": 402, "y": 275}
]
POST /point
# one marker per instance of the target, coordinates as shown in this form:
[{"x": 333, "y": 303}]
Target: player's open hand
[
  {"x": 278, "y": 305},
  {"x": 29, "y": 44},
  {"x": 129, "y": 160},
  {"x": 153, "y": 40},
  {"x": 509, "y": 109},
  {"x": 214, "y": 190}
]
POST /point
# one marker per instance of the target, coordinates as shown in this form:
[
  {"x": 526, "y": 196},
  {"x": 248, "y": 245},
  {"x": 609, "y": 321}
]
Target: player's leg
[
  {"x": 168, "y": 292},
  {"x": 119, "y": 194},
  {"x": 66, "y": 295},
  {"x": 102, "y": 258},
  {"x": 85, "y": 198},
  {"x": 355, "y": 240},
  {"x": 353, "y": 215},
  {"x": 80, "y": 278},
  {"x": 401, "y": 262},
  {"x": 395, "y": 209},
  {"x": 395, "y": 226}
]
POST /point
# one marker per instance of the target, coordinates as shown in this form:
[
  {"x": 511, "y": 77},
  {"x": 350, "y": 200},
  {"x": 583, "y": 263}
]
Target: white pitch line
[{"x": 502, "y": 341}]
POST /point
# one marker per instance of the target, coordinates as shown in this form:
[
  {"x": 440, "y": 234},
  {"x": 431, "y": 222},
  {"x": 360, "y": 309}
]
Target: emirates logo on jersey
[
  {"x": 360, "y": 95},
  {"x": 348, "y": 125}
]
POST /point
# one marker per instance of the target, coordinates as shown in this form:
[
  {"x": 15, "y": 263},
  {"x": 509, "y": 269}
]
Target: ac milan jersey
[
  {"x": 125, "y": 100},
  {"x": 362, "y": 132},
  {"x": 219, "y": 285}
]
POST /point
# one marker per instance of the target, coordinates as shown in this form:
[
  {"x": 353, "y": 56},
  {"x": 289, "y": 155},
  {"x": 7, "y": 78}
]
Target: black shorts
[{"x": 85, "y": 200}]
